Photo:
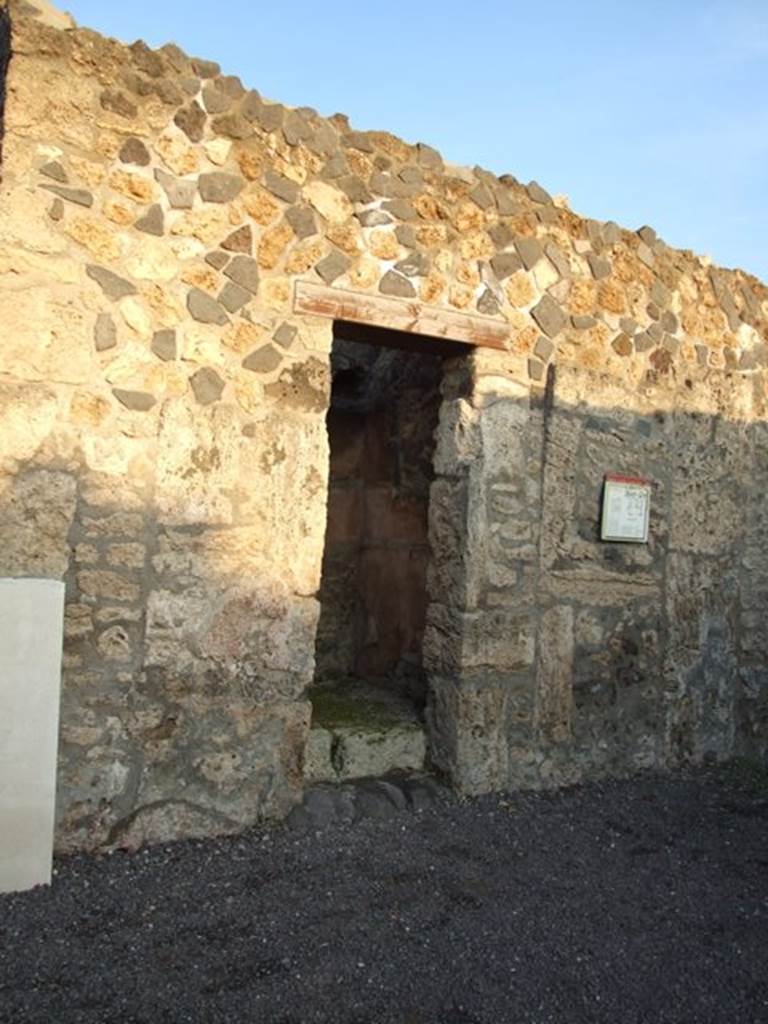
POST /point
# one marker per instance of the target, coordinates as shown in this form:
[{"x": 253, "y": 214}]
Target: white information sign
[{"x": 626, "y": 508}]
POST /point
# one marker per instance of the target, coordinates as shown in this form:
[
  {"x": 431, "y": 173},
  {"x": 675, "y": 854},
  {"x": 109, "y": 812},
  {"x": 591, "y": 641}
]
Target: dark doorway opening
[{"x": 370, "y": 687}]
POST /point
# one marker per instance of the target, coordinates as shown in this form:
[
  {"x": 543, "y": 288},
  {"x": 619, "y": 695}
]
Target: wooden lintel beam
[{"x": 399, "y": 315}]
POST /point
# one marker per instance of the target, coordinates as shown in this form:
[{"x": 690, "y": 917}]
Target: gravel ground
[{"x": 634, "y": 901}]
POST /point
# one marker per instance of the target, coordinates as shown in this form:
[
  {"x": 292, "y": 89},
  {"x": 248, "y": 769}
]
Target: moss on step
[{"x": 351, "y": 706}]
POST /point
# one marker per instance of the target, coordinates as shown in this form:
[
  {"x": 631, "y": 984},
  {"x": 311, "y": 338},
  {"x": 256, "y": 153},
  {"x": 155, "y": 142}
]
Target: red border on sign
[{"x": 619, "y": 479}]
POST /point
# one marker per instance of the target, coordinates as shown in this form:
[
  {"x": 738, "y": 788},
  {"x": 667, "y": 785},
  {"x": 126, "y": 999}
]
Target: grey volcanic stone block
[
  {"x": 136, "y": 401},
  {"x": 53, "y": 169},
  {"x": 537, "y": 193},
  {"x": 133, "y": 151},
  {"x": 219, "y": 187},
  {"x": 244, "y": 270},
  {"x": 530, "y": 251},
  {"x": 207, "y": 385},
  {"x": 543, "y": 348},
  {"x": 191, "y": 120},
  {"x": 501, "y": 235},
  {"x": 296, "y": 127},
  {"x": 118, "y": 103},
  {"x": 164, "y": 345},
  {"x": 217, "y": 259},
  {"x": 583, "y": 323},
  {"x": 205, "y": 68},
  {"x": 334, "y": 265},
  {"x": 181, "y": 194},
  {"x": 233, "y": 296},
  {"x": 600, "y": 268},
  {"x": 302, "y": 221},
  {"x": 114, "y": 287},
  {"x": 281, "y": 187},
  {"x": 285, "y": 335},
  {"x": 395, "y": 284},
  {"x": 205, "y": 309},
  {"x": 406, "y": 235},
  {"x": 152, "y": 223},
  {"x": 240, "y": 240},
  {"x": 263, "y": 360},
  {"x": 79, "y": 196},
  {"x": 354, "y": 188},
  {"x": 104, "y": 333},
  {"x": 415, "y": 265},
  {"x": 506, "y": 264},
  {"x": 488, "y": 303},
  {"x": 373, "y": 218},
  {"x": 401, "y": 209},
  {"x": 549, "y": 316},
  {"x": 482, "y": 196},
  {"x": 232, "y": 126},
  {"x": 214, "y": 100}
]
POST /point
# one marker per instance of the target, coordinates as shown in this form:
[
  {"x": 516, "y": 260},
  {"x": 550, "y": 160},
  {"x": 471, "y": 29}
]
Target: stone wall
[{"x": 163, "y": 445}]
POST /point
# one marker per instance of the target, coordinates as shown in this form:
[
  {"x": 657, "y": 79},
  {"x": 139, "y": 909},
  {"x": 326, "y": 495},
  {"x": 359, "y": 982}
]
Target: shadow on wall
[{"x": 191, "y": 609}]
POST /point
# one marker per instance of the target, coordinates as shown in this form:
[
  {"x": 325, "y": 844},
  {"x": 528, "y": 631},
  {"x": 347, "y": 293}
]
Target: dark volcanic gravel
[{"x": 627, "y": 902}]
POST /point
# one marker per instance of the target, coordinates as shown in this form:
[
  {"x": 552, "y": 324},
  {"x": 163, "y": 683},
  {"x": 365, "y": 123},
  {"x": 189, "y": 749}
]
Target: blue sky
[{"x": 641, "y": 112}]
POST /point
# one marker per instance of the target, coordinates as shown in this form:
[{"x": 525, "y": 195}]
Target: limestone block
[
  {"x": 362, "y": 752},
  {"x": 468, "y": 738},
  {"x": 197, "y": 463},
  {"x": 31, "y": 631},
  {"x": 554, "y": 670},
  {"x": 37, "y": 509}
]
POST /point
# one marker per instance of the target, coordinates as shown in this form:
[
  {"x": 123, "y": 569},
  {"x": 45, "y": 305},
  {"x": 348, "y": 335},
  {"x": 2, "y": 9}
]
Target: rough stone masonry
[{"x": 163, "y": 447}]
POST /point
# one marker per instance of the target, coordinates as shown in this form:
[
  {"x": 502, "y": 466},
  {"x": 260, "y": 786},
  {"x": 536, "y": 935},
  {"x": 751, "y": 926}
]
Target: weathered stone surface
[
  {"x": 263, "y": 360},
  {"x": 105, "y": 333},
  {"x": 164, "y": 344},
  {"x": 219, "y": 187},
  {"x": 114, "y": 287},
  {"x": 133, "y": 151},
  {"x": 205, "y": 309},
  {"x": 549, "y": 316},
  {"x": 153, "y": 222},
  {"x": 207, "y": 385},
  {"x": 395, "y": 284},
  {"x": 244, "y": 270},
  {"x": 193, "y": 526},
  {"x": 332, "y": 266}
]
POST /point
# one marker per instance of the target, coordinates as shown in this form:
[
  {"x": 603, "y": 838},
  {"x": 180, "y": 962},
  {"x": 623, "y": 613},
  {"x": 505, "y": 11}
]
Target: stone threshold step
[
  {"x": 343, "y": 804},
  {"x": 360, "y": 729}
]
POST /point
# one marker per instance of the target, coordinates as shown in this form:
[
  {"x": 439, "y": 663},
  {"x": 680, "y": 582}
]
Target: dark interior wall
[
  {"x": 381, "y": 427},
  {"x": 5, "y": 58}
]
